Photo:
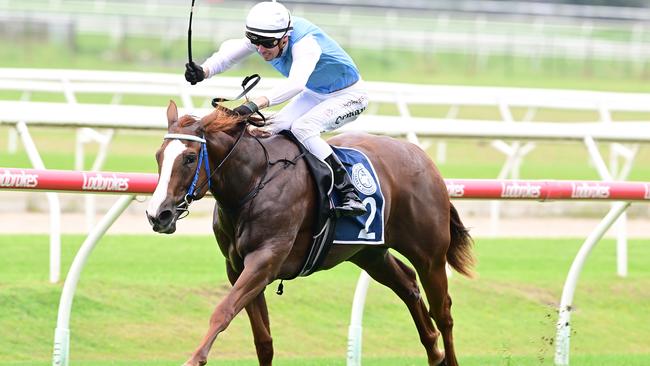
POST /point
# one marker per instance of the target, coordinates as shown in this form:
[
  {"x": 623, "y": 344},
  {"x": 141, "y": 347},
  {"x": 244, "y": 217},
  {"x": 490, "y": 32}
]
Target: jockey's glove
[
  {"x": 264, "y": 131},
  {"x": 246, "y": 109},
  {"x": 194, "y": 73}
]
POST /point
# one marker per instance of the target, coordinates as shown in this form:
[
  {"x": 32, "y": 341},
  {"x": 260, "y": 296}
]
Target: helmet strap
[
  {"x": 281, "y": 46},
  {"x": 286, "y": 30}
]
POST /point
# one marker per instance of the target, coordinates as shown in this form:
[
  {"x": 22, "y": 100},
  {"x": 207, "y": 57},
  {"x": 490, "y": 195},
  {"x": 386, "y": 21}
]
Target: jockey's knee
[
  {"x": 317, "y": 146},
  {"x": 304, "y": 130}
]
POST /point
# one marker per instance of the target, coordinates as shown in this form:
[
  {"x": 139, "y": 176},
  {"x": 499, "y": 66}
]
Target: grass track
[
  {"x": 618, "y": 360},
  {"x": 145, "y": 300}
]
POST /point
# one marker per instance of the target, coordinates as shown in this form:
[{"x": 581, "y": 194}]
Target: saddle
[{"x": 325, "y": 216}]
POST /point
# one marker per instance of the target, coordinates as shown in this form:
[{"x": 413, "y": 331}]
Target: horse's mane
[{"x": 220, "y": 119}]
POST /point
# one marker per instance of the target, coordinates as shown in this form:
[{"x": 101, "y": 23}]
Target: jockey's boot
[{"x": 351, "y": 205}]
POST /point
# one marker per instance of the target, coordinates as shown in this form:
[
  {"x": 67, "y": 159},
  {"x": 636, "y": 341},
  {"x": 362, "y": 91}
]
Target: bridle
[
  {"x": 183, "y": 207},
  {"x": 190, "y": 196}
]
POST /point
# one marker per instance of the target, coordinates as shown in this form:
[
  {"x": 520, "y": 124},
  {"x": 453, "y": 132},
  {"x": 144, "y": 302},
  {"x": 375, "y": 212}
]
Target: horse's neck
[{"x": 240, "y": 172}]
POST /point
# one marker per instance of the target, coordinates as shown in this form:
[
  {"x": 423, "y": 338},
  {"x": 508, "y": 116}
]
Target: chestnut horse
[{"x": 265, "y": 212}]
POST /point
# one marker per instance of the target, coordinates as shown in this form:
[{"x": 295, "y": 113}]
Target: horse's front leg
[
  {"x": 258, "y": 315},
  {"x": 260, "y": 267}
]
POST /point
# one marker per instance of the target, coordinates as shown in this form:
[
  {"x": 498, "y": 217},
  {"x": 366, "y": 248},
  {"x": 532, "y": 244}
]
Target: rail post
[
  {"x": 61, "y": 353},
  {"x": 563, "y": 335}
]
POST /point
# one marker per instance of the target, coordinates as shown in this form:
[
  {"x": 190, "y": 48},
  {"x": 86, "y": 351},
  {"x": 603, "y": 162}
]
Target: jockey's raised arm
[
  {"x": 323, "y": 84},
  {"x": 230, "y": 53}
]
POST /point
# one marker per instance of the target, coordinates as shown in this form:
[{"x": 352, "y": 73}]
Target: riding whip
[{"x": 189, "y": 35}]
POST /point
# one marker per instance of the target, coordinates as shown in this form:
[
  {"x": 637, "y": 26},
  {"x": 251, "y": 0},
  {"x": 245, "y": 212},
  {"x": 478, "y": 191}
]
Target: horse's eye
[{"x": 189, "y": 159}]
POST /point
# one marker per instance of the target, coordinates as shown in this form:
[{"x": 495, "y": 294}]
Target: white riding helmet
[{"x": 269, "y": 19}]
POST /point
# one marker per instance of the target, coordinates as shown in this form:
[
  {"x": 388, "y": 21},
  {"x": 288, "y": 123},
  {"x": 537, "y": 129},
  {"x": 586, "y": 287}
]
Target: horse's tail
[{"x": 459, "y": 255}]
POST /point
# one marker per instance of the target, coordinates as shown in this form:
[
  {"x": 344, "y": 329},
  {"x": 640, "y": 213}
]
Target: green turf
[
  {"x": 146, "y": 299},
  {"x": 618, "y": 360}
]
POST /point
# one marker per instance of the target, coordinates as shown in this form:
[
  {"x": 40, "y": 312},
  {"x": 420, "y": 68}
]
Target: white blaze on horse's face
[{"x": 173, "y": 149}]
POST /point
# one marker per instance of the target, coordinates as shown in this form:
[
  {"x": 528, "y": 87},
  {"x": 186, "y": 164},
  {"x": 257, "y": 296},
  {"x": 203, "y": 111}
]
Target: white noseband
[{"x": 182, "y": 136}]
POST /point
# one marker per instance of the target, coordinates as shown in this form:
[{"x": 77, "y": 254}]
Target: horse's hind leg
[
  {"x": 384, "y": 268},
  {"x": 433, "y": 277}
]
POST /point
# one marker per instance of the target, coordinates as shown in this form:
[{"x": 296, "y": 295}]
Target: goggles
[{"x": 266, "y": 42}]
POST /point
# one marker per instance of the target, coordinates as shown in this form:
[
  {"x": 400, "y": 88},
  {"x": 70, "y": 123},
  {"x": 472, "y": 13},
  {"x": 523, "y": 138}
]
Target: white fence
[
  {"x": 72, "y": 83},
  {"x": 482, "y": 29}
]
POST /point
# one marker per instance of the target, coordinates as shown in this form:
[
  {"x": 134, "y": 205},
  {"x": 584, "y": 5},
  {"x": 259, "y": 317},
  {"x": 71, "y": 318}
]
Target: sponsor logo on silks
[
  {"x": 98, "y": 182},
  {"x": 518, "y": 190},
  {"x": 456, "y": 190},
  {"x": 360, "y": 100},
  {"x": 584, "y": 190},
  {"x": 18, "y": 180},
  {"x": 340, "y": 119},
  {"x": 362, "y": 180}
]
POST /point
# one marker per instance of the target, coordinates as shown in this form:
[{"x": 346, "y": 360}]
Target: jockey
[{"x": 322, "y": 79}]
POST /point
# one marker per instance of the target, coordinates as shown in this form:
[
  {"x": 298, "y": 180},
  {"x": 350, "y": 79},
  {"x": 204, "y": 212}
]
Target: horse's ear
[{"x": 172, "y": 113}]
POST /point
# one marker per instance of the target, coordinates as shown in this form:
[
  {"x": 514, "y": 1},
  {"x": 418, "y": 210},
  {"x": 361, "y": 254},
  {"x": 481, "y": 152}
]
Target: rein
[
  {"x": 203, "y": 157},
  {"x": 269, "y": 164},
  {"x": 190, "y": 196},
  {"x": 256, "y": 79}
]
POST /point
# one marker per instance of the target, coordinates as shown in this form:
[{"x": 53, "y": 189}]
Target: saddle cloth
[
  {"x": 365, "y": 229},
  {"x": 368, "y": 228}
]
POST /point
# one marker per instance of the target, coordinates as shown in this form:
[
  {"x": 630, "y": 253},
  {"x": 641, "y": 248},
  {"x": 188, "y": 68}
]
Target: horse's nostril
[{"x": 165, "y": 216}]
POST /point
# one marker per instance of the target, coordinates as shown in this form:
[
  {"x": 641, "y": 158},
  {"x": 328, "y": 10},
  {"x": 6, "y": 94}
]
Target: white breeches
[{"x": 309, "y": 114}]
